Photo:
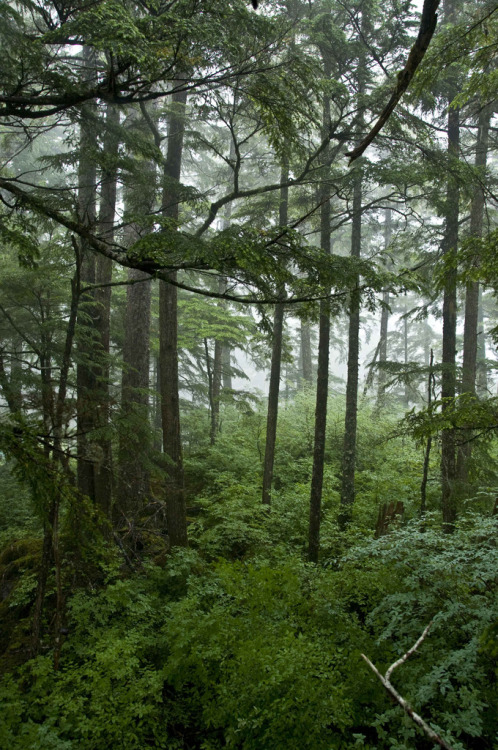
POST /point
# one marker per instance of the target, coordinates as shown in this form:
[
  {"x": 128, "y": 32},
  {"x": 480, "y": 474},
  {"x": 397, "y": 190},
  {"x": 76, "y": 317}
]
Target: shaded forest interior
[{"x": 248, "y": 352}]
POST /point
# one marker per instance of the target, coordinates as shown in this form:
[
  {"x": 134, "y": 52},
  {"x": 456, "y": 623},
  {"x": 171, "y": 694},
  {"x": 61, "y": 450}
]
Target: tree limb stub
[
  {"x": 385, "y": 680},
  {"x": 417, "y": 52}
]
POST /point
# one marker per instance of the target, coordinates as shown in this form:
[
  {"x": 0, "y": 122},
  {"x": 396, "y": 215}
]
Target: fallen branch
[{"x": 385, "y": 679}]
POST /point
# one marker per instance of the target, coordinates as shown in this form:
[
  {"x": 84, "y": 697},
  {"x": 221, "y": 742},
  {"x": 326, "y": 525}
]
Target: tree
[
  {"x": 449, "y": 248},
  {"x": 276, "y": 361}
]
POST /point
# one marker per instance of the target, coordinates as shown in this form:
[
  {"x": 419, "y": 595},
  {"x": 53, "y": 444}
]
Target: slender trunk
[
  {"x": 448, "y": 379},
  {"x": 103, "y": 276},
  {"x": 349, "y": 448},
  {"x": 428, "y": 445},
  {"x": 226, "y": 368},
  {"x": 209, "y": 372},
  {"x": 469, "y": 369},
  {"x": 306, "y": 362},
  {"x": 470, "y": 333},
  {"x": 134, "y": 433},
  {"x": 216, "y": 391},
  {"x": 276, "y": 361},
  {"x": 158, "y": 440},
  {"x": 226, "y": 349},
  {"x": 384, "y": 318},
  {"x": 405, "y": 355},
  {"x": 50, "y": 548},
  {"x": 322, "y": 379},
  {"x": 168, "y": 340},
  {"x": 16, "y": 373},
  {"x": 46, "y": 559},
  {"x": 86, "y": 380},
  {"x": 482, "y": 372}
]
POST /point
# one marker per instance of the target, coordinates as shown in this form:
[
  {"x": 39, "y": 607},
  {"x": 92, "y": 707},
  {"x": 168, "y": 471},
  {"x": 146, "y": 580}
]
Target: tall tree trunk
[
  {"x": 216, "y": 392},
  {"x": 135, "y": 438},
  {"x": 216, "y": 375},
  {"x": 350, "y": 423},
  {"x": 482, "y": 371},
  {"x": 384, "y": 317},
  {"x": 322, "y": 379},
  {"x": 86, "y": 380},
  {"x": 276, "y": 362},
  {"x": 306, "y": 361},
  {"x": 158, "y": 439},
  {"x": 225, "y": 355},
  {"x": 103, "y": 276},
  {"x": 428, "y": 445},
  {"x": 469, "y": 369},
  {"x": 16, "y": 374},
  {"x": 406, "y": 389},
  {"x": 168, "y": 339},
  {"x": 448, "y": 378},
  {"x": 134, "y": 434}
]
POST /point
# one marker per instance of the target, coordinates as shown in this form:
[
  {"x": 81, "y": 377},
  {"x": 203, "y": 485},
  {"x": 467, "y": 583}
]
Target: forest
[{"x": 248, "y": 387}]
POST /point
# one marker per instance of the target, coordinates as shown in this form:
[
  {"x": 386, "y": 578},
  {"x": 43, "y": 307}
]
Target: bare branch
[
  {"x": 417, "y": 52},
  {"x": 385, "y": 680}
]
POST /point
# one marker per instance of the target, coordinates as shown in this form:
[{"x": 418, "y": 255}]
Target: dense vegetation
[{"x": 196, "y": 195}]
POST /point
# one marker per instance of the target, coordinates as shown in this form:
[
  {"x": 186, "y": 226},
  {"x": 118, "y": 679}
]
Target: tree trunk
[
  {"x": 482, "y": 371},
  {"x": 168, "y": 340},
  {"x": 103, "y": 275},
  {"x": 158, "y": 439},
  {"x": 384, "y": 318},
  {"x": 134, "y": 433},
  {"x": 226, "y": 367},
  {"x": 306, "y": 361},
  {"x": 86, "y": 380},
  {"x": 469, "y": 368},
  {"x": 405, "y": 355},
  {"x": 322, "y": 379},
  {"x": 428, "y": 445},
  {"x": 216, "y": 392},
  {"x": 276, "y": 362},
  {"x": 350, "y": 423},
  {"x": 448, "y": 378}
]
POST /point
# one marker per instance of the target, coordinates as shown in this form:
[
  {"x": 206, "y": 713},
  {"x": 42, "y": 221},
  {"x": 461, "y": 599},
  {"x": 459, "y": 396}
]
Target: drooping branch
[
  {"x": 417, "y": 52},
  {"x": 385, "y": 680}
]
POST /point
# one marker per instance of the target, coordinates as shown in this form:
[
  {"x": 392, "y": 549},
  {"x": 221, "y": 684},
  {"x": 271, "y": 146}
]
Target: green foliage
[{"x": 247, "y": 655}]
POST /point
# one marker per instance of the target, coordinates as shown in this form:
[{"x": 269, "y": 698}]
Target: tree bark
[
  {"x": 168, "y": 340},
  {"x": 306, "y": 361},
  {"x": 276, "y": 362},
  {"x": 470, "y": 331},
  {"x": 384, "y": 318},
  {"x": 134, "y": 433},
  {"x": 86, "y": 381},
  {"x": 135, "y": 438},
  {"x": 406, "y": 389},
  {"x": 428, "y": 445},
  {"x": 322, "y": 378},
  {"x": 103, "y": 275},
  {"x": 448, "y": 378},
  {"x": 350, "y": 423},
  {"x": 482, "y": 372},
  {"x": 216, "y": 392}
]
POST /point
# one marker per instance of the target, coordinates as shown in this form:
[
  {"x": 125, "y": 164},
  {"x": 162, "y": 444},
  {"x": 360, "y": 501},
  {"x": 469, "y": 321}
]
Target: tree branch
[
  {"x": 417, "y": 52},
  {"x": 385, "y": 680}
]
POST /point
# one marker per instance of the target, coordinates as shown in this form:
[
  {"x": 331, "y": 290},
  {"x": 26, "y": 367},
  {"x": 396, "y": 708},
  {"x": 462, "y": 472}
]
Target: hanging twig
[{"x": 385, "y": 680}]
